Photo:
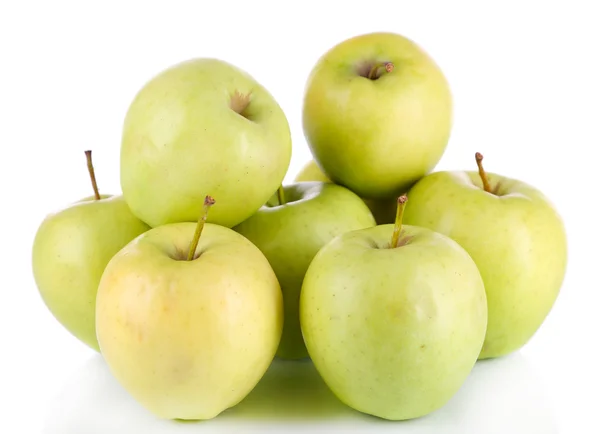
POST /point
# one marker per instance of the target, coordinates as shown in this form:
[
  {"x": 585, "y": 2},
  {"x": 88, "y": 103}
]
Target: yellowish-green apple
[
  {"x": 384, "y": 210},
  {"x": 290, "y": 229},
  {"x": 514, "y": 234},
  {"x": 310, "y": 171},
  {"x": 189, "y": 318},
  {"x": 377, "y": 114},
  {"x": 70, "y": 251},
  {"x": 393, "y": 327},
  {"x": 202, "y": 126}
]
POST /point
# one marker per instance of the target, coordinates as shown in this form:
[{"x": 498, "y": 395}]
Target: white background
[{"x": 525, "y": 79}]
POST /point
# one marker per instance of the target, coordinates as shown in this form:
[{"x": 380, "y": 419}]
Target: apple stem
[
  {"x": 281, "y": 195},
  {"x": 482, "y": 174},
  {"x": 208, "y": 202},
  {"x": 398, "y": 223},
  {"x": 88, "y": 156},
  {"x": 374, "y": 72}
]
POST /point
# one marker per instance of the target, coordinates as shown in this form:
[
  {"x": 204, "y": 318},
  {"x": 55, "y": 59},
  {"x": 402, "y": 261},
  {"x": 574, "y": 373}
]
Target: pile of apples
[{"x": 392, "y": 278}]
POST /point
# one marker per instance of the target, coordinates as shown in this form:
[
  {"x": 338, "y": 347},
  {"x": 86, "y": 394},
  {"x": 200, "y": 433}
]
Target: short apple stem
[
  {"x": 398, "y": 223},
  {"x": 482, "y": 174},
  {"x": 281, "y": 195},
  {"x": 374, "y": 71},
  {"x": 208, "y": 202},
  {"x": 88, "y": 156}
]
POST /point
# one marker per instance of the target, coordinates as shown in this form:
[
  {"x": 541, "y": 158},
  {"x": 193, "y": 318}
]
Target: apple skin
[
  {"x": 384, "y": 210},
  {"x": 71, "y": 248},
  {"x": 377, "y": 137},
  {"x": 516, "y": 238},
  {"x": 393, "y": 332},
  {"x": 189, "y": 339},
  {"x": 291, "y": 235},
  {"x": 310, "y": 171},
  {"x": 182, "y": 140}
]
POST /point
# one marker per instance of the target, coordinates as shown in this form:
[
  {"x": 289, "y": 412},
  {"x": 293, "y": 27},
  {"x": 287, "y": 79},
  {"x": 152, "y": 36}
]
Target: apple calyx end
[{"x": 90, "y": 166}]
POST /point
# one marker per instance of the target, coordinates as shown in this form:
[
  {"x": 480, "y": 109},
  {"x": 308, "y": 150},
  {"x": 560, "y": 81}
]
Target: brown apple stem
[
  {"x": 281, "y": 195},
  {"x": 374, "y": 71},
  {"x": 398, "y": 223},
  {"x": 88, "y": 156},
  {"x": 208, "y": 202},
  {"x": 482, "y": 174}
]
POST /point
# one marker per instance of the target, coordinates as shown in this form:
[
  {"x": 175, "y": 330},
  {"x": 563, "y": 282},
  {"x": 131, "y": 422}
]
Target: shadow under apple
[
  {"x": 93, "y": 402},
  {"x": 500, "y": 396},
  {"x": 290, "y": 390}
]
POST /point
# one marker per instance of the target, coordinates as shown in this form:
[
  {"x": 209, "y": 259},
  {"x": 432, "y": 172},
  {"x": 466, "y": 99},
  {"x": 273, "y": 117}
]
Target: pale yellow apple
[{"x": 189, "y": 339}]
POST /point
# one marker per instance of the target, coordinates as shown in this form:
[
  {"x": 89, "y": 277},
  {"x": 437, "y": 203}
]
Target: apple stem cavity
[
  {"x": 239, "y": 103},
  {"x": 208, "y": 202},
  {"x": 88, "y": 156},
  {"x": 482, "y": 174},
  {"x": 281, "y": 195},
  {"x": 375, "y": 71},
  {"x": 398, "y": 223}
]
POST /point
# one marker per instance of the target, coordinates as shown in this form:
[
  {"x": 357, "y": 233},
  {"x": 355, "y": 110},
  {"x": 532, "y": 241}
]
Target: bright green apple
[
  {"x": 70, "y": 251},
  {"x": 516, "y": 238},
  {"x": 290, "y": 229},
  {"x": 377, "y": 114},
  {"x": 393, "y": 327},
  {"x": 384, "y": 210},
  {"x": 189, "y": 321},
  {"x": 202, "y": 126}
]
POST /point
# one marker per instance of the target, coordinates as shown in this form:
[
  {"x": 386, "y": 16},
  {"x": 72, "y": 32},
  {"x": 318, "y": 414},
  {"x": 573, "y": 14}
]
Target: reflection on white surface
[{"x": 500, "y": 397}]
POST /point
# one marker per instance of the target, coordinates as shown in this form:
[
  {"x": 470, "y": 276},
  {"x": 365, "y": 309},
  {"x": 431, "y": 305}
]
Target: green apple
[
  {"x": 516, "y": 238},
  {"x": 377, "y": 114},
  {"x": 394, "y": 328},
  {"x": 70, "y": 251},
  {"x": 290, "y": 229},
  {"x": 202, "y": 126},
  {"x": 189, "y": 321},
  {"x": 383, "y": 210},
  {"x": 310, "y": 171}
]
